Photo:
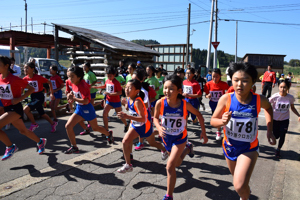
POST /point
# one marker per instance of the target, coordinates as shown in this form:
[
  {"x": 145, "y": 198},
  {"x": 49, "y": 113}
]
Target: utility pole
[
  {"x": 210, "y": 33},
  {"x": 216, "y": 34},
  {"x": 236, "y": 40},
  {"x": 25, "y": 16},
  {"x": 188, "y": 36}
]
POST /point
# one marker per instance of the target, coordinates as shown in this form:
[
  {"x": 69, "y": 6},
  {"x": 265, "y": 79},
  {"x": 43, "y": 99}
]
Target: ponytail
[{"x": 142, "y": 95}]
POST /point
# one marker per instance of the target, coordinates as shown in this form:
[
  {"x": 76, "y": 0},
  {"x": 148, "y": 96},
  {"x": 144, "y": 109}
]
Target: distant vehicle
[{"x": 43, "y": 66}]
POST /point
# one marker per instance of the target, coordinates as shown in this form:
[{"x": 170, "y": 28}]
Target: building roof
[
  {"x": 105, "y": 40},
  {"x": 256, "y": 54}
]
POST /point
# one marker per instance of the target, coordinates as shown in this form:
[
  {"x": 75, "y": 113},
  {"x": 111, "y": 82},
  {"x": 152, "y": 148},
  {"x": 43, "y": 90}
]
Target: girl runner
[
  {"x": 84, "y": 110},
  {"x": 201, "y": 82},
  {"x": 172, "y": 129},
  {"x": 213, "y": 91},
  {"x": 140, "y": 123},
  {"x": 238, "y": 113},
  {"x": 160, "y": 79},
  {"x": 191, "y": 91},
  {"x": 153, "y": 82},
  {"x": 113, "y": 92},
  {"x": 37, "y": 98},
  {"x": 131, "y": 69},
  {"x": 57, "y": 85},
  {"x": 11, "y": 97},
  {"x": 281, "y": 103}
]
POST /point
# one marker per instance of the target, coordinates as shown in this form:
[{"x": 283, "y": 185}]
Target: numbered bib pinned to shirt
[
  {"x": 110, "y": 88},
  {"x": 216, "y": 95},
  {"x": 5, "y": 92},
  {"x": 282, "y": 107},
  {"x": 173, "y": 125},
  {"x": 135, "y": 123},
  {"x": 53, "y": 82},
  {"x": 35, "y": 85},
  {"x": 188, "y": 89},
  {"x": 242, "y": 129},
  {"x": 79, "y": 96}
]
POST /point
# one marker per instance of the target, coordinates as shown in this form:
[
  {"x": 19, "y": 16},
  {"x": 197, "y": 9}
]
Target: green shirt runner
[
  {"x": 90, "y": 78},
  {"x": 153, "y": 82},
  {"x": 160, "y": 80}
]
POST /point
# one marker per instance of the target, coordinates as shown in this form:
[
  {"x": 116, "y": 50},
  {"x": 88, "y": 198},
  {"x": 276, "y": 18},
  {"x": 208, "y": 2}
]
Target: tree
[{"x": 145, "y": 42}]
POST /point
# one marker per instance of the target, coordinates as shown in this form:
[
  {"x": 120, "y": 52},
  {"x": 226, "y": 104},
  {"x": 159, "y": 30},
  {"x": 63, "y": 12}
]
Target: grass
[{"x": 65, "y": 63}]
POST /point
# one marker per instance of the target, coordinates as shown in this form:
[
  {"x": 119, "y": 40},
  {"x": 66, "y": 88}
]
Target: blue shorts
[
  {"x": 170, "y": 140},
  {"x": 232, "y": 152},
  {"x": 153, "y": 103},
  {"x": 213, "y": 106},
  {"x": 195, "y": 103},
  {"x": 141, "y": 130},
  {"x": 87, "y": 112},
  {"x": 58, "y": 94},
  {"x": 93, "y": 95},
  {"x": 1, "y": 104},
  {"x": 114, "y": 104}
]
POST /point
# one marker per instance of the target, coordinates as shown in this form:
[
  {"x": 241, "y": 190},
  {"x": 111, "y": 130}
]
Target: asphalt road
[{"x": 91, "y": 174}]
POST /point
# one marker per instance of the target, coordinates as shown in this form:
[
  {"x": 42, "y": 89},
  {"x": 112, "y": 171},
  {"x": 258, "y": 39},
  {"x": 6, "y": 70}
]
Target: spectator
[
  {"x": 208, "y": 76},
  {"x": 139, "y": 65},
  {"x": 161, "y": 66},
  {"x": 122, "y": 69},
  {"x": 268, "y": 82},
  {"x": 187, "y": 67},
  {"x": 15, "y": 68},
  {"x": 228, "y": 77}
]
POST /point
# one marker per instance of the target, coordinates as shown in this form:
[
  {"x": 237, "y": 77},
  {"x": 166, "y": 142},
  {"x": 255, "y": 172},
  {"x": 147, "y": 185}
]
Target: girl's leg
[
  {"x": 19, "y": 124},
  {"x": 127, "y": 144},
  {"x": 173, "y": 160},
  {"x": 184, "y": 153},
  {"x": 106, "y": 110},
  {"x": 123, "y": 120},
  {"x": 73, "y": 120},
  {"x": 82, "y": 124},
  {"x": 54, "y": 108},
  {"x": 27, "y": 111},
  {"x": 46, "y": 117},
  {"x": 242, "y": 173},
  {"x": 100, "y": 129},
  {"x": 152, "y": 142}
]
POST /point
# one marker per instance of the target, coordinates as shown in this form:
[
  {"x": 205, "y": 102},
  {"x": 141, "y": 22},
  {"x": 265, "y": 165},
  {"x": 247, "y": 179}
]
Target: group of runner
[{"x": 152, "y": 97}]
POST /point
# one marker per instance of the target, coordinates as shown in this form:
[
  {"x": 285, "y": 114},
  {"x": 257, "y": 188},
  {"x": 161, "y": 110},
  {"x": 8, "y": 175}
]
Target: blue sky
[{"x": 124, "y": 18}]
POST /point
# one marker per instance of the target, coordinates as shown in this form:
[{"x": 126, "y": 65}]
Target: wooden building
[
  {"x": 261, "y": 62},
  {"x": 171, "y": 55},
  {"x": 104, "y": 49}
]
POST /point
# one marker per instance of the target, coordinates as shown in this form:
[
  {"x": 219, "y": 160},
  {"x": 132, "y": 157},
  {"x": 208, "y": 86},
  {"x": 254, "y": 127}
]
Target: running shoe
[
  {"x": 277, "y": 153},
  {"x": 55, "y": 120},
  {"x": 167, "y": 197},
  {"x": 7, "y": 126},
  {"x": 89, "y": 126},
  {"x": 218, "y": 135},
  {"x": 9, "y": 152},
  {"x": 191, "y": 147},
  {"x": 125, "y": 168},
  {"x": 115, "y": 114},
  {"x": 164, "y": 155},
  {"x": 110, "y": 138},
  {"x": 85, "y": 132},
  {"x": 126, "y": 128},
  {"x": 42, "y": 145},
  {"x": 33, "y": 127},
  {"x": 139, "y": 146},
  {"x": 71, "y": 150},
  {"x": 203, "y": 106},
  {"x": 53, "y": 126}
]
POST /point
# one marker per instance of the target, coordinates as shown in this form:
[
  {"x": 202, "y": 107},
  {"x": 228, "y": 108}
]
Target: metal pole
[
  {"x": 56, "y": 42},
  {"x": 188, "y": 36},
  {"x": 44, "y": 27},
  {"x": 31, "y": 25},
  {"x": 236, "y": 40},
  {"x": 25, "y": 16},
  {"x": 21, "y": 23},
  {"x": 216, "y": 35},
  {"x": 210, "y": 33},
  {"x": 10, "y": 26}
]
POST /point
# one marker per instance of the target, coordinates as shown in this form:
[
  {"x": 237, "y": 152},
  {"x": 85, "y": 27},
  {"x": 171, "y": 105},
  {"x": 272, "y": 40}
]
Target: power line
[{"x": 277, "y": 23}]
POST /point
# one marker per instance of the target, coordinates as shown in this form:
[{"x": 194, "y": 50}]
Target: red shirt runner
[
  {"x": 56, "y": 82},
  {"x": 81, "y": 91},
  {"x": 215, "y": 89},
  {"x": 191, "y": 87},
  {"x": 11, "y": 87},
  {"x": 37, "y": 82},
  {"x": 112, "y": 87}
]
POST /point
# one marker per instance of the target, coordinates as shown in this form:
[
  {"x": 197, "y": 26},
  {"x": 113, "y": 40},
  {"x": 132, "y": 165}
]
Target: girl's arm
[
  {"x": 61, "y": 87},
  {"x": 140, "y": 109},
  {"x": 93, "y": 83},
  {"x": 29, "y": 91},
  {"x": 114, "y": 94},
  {"x": 295, "y": 111},
  {"x": 192, "y": 95},
  {"x": 161, "y": 129},
  {"x": 100, "y": 87},
  {"x": 265, "y": 104},
  {"x": 194, "y": 111},
  {"x": 219, "y": 118},
  {"x": 51, "y": 90},
  {"x": 83, "y": 101}
]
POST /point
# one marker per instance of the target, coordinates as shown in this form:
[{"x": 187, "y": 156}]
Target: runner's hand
[
  {"x": 226, "y": 117},
  {"x": 122, "y": 115},
  {"x": 204, "y": 137},
  {"x": 208, "y": 96},
  {"x": 162, "y": 131},
  {"x": 271, "y": 138}
]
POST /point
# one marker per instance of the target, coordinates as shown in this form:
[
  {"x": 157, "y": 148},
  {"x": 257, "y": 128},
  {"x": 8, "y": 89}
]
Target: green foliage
[
  {"x": 294, "y": 62},
  {"x": 294, "y": 70},
  {"x": 145, "y": 42},
  {"x": 65, "y": 63},
  {"x": 199, "y": 58}
]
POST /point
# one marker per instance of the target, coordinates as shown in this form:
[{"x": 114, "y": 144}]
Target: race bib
[
  {"x": 243, "y": 130},
  {"x": 215, "y": 95},
  {"x": 135, "y": 123},
  {"x": 53, "y": 82},
  {"x": 79, "y": 96},
  {"x": 35, "y": 85},
  {"x": 5, "y": 92},
  {"x": 282, "y": 107},
  {"x": 188, "y": 89},
  {"x": 110, "y": 88},
  {"x": 173, "y": 125}
]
